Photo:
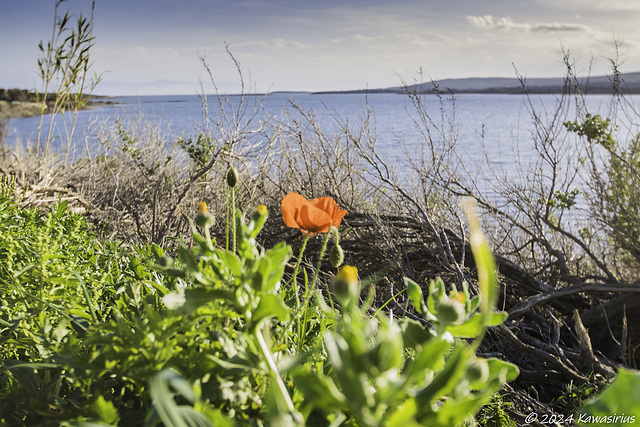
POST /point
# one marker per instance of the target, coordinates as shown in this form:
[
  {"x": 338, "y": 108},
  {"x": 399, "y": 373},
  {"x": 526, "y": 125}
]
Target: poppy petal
[
  {"x": 290, "y": 206},
  {"x": 314, "y": 219},
  {"x": 329, "y": 205}
]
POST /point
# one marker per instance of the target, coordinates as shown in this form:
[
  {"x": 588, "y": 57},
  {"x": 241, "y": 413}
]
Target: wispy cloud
[
  {"x": 593, "y": 5},
  {"x": 278, "y": 43},
  {"x": 359, "y": 38},
  {"x": 488, "y": 22}
]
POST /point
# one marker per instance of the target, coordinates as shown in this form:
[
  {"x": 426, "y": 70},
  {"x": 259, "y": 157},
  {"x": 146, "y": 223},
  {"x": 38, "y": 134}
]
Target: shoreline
[
  {"x": 20, "y": 109},
  {"x": 25, "y": 109}
]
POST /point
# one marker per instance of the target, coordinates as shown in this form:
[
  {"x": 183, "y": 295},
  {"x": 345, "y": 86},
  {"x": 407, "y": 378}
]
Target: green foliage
[
  {"x": 94, "y": 333},
  {"x": 17, "y": 95},
  {"x": 623, "y": 198},
  {"x": 495, "y": 415},
  {"x": 618, "y": 405},
  {"x": 199, "y": 150},
  {"x": 7, "y": 187},
  {"x": 617, "y": 195},
  {"x": 595, "y": 129},
  {"x": 56, "y": 284},
  {"x": 574, "y": 395},
  {"x": 562, "y": 199},
  {"x": 131, "y": 146},
  {"x": 368, "y": 377}
]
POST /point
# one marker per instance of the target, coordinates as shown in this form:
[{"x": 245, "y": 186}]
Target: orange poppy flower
[{"x": 314, "y": 216}]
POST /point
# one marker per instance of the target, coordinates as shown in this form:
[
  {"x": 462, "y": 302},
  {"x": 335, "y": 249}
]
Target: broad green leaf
[
  {"x": 474, "y": 326},
  {"x": 404, "y": 415},
  {"x": 453, "y": 411},
  {"x": 429, "y": 357},
  {"x": 436, "y": 293},
  {"x": 194, "y": 298},
  {"x": 187, "y": 259},
  {"x": 447, "y": 378},
  {"x": 157, "y": 250},
  {"x": 260, "y": 276},
  {"x": 231, "y": 261},
  {"x": 106, "y": 411},
  {"x": 507, "y": 371},
  {"x": 414, "y": 333},
  {"x": 319, "y": 389},
  {"x": 271, "y": 305}
]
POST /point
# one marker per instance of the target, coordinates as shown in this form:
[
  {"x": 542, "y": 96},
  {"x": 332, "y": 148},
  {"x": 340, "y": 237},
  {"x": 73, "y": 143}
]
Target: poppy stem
[
  {"x": 226, "y": 227},
  {"x": 294, "y": 278},
  {"x": 310, "y": 290},
  {"x": 233, "y": 217}
]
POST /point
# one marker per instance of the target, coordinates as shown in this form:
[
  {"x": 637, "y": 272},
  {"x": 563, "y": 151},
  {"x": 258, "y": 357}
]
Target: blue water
[{"x": 490, "y": 127}]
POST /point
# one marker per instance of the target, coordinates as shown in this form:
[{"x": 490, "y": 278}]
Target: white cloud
[{"x": 505, "y": 23}]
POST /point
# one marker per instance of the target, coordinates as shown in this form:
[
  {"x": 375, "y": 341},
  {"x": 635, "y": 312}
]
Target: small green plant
[
  {"x": 574, "y": 395},
  {"x": 494, "y": 414}
]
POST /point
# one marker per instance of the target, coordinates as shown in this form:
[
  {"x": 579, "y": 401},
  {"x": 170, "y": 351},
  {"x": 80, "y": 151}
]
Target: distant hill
[{"x": 630, "y": 83}]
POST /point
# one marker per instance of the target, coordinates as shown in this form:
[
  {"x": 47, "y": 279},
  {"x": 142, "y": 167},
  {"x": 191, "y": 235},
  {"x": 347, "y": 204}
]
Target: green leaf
[
  {"x": 404, "y": 416},
  {"x": 436, "y": 293},
  {"x": 447, "y": 378},
  {"x": 415, "y": 295},
  {"x": 506, "y": 371},
  {"x": 474, "y": 326},
  {"x": 195, "y": 298},
  {"x": 106, "y": 411},
  {"x": 414, "y": 333},
  {"x": 319, "y": 389},
  {"x": 187, "y": 259},
  {"x": 271, "y": 305},
  {"x": 157, "y": 250},
  {"x": 231, "y": 261},
  {"x": 429, "y": 357},
  {"x": 169, "y": 412}
]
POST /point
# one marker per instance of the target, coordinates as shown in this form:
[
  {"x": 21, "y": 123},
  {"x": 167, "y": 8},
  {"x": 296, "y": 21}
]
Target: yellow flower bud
[
  {"x": 345, "y": 285},
  {"x": 204, "y": 219}
]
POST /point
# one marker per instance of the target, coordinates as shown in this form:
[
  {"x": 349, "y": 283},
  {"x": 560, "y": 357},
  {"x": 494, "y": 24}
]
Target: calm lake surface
[{"x": 495, "y": 124}]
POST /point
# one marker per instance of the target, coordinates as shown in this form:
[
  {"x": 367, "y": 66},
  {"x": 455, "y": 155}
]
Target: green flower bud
[
  {"x": 450, "y": 311},
  {"x": 232, "y": 177},
  {"x": 165, "y": 261},
  {"x": 478, "y": 372},
  {"x": 204, "y": 219},
  {"x": 337, "y": 256}
]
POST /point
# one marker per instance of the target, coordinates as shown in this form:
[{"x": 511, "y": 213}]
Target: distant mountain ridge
[{"x": 629, "y": 83}]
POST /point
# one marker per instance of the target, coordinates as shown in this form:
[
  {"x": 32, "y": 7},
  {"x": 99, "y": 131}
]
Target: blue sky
[{"x": 154, "y": 46}]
